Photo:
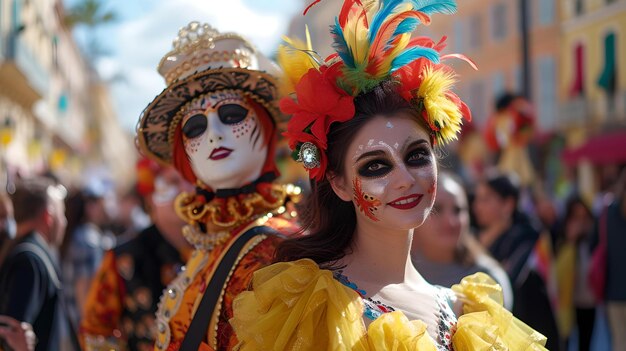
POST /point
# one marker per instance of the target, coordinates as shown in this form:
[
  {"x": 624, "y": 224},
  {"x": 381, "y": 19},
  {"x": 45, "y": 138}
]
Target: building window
[
  {"x": 578, "y": 81},
  {"x": 497, "y": 84},
  {"x": 579, "y": 7},
  {"x": 546, "y": 92},
  {"x": 546, "y": 12},
  {"x": 499, "y": 21},
  {"x": 475, "y": 32},
  {"x": 17, "y": 14}
]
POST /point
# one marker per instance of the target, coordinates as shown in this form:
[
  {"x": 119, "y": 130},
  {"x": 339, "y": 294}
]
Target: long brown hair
[{"x": 328, "y": 221}]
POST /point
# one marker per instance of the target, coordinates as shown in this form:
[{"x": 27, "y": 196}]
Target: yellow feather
[
  {"x": 294, "y": 61},
  {"x": 444, "y": 115},
  {"x": 385, "y": 66},
  {"x": 355, "y": 34}
]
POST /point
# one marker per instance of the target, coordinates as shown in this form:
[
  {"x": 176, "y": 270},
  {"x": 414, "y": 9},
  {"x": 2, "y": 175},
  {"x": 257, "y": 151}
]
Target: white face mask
[{"x": 223, "y": 139}]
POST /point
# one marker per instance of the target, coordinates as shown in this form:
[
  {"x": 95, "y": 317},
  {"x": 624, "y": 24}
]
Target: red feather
[
  {"x": 309, "y": 7},
  {"x": 465, "y": 111},
  {"x": 385, "y": 33},
  {"x": 346, "y": 9},
  {"x": 374, "y": 62}
]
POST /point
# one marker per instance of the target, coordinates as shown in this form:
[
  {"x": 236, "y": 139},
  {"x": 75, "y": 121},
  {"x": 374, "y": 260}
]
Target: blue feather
[
  {"x": 413, "y": 53},
  {"x": 383, "y": 13},
  {"x": 340, "y": 45},
  {"x": 429, "y": 7},
  {"x": 406, "y": 26}
]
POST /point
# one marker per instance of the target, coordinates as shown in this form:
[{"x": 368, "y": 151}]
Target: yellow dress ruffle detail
[
  {"x": 298, "y": 306},
  {"x": 393, "y": 331},
  {"x": 486, "y": 324}
]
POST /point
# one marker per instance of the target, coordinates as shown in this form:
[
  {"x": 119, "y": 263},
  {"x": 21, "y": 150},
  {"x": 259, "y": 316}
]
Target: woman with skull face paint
[
  {"x": 364, "y": 124},
  {"x": 216, "y": 123}
]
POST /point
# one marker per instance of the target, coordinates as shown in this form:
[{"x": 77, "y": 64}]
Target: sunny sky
[{"x": 145, "y": 30}]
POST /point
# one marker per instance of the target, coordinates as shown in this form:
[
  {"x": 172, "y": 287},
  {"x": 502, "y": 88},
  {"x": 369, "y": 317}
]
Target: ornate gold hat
[{"x": 202, "y": 61}]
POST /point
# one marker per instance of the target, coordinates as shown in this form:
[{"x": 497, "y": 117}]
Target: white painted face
[
  {"x": 224, "y": 140},
  {"x": 393, "y": 173}
]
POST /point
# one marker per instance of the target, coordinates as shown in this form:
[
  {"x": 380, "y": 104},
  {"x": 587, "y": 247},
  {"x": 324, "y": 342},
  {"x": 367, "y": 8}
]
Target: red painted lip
[
  {"x": 220, "y": 153},
  {"x": 409, "y": 201}
]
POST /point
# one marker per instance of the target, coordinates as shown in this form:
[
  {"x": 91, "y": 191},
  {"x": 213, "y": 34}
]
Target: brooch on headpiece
[{"x": 372, "y": 40}]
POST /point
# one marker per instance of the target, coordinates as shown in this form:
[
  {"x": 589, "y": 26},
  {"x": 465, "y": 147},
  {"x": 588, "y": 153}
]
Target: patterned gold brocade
[{"x": 230, "y": 212}]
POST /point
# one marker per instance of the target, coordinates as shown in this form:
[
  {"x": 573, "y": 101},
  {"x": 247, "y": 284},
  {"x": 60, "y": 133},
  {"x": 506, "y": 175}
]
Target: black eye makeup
[
  {"x": 375, "y": 168},
  {"x": 195, "y": 126},
  {"x": 417, "y": 157},
  {"x": 232, "y": 113}
]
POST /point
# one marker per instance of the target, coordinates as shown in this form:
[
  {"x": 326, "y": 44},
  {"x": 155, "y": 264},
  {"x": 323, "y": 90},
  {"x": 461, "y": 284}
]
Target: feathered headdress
[{"x": 372, "y": 42}]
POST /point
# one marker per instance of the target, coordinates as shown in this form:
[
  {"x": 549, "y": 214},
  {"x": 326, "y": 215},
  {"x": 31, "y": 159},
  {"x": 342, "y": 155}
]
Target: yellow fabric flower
[{"x": 394, "y": 332}]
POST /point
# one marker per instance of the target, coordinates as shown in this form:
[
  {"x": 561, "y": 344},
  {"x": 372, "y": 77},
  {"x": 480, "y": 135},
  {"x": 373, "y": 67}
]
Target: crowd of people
[{"x": 383, "y": 250}]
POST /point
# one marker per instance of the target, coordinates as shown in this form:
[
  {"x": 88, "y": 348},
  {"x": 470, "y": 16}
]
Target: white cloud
[{"x": 139, "y": 43}]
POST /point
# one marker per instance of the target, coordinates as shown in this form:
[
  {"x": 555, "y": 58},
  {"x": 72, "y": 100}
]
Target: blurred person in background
[
  {"x": 615, "y": 292},
  {"x": 122, "y": 300},
  {"x": 30, "y": 280},
  {"x": 576, "y": 301},
  {"x": 444, "y": 250},
  {"x": 547, "y": 215},
  {"x": 8, "y": 227},
  {"x": 84, "y": 245},
  {"x": 513, "y": 241},
  {"x": 130, "y": 218}
]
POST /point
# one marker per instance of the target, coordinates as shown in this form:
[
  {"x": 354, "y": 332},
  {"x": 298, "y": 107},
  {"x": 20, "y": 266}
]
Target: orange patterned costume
[
  {"x": 198, "y": 270},
  {"x": 120, "y": 306}
]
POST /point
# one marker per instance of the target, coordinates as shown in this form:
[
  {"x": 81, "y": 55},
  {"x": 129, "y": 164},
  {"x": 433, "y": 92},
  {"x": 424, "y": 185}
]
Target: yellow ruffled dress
[{"x": 298, "y": 306}]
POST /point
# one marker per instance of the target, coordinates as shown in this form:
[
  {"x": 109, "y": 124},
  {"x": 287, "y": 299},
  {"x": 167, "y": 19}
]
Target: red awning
[{"x": 602, "y": 149}]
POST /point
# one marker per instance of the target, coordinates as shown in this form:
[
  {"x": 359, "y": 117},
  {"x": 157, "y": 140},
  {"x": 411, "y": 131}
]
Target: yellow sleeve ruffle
[
  {"x": 297, "y": 306},
  {"x": 486, "y": 324}
]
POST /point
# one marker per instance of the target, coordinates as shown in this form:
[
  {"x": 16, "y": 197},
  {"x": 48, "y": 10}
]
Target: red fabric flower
[{"x": 320, "y": 103}]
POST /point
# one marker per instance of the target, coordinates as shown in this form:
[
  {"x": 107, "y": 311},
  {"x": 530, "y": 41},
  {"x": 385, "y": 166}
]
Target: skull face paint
[
  {"x": 391, "y": 171},
  {"x": 222, "y": 137}
]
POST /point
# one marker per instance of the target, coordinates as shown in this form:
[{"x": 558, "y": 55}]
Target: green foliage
[{"x": 89, "y": 13}]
